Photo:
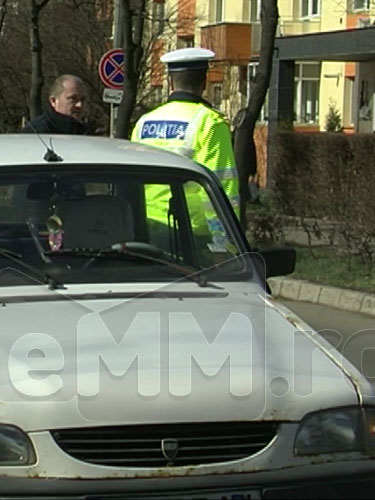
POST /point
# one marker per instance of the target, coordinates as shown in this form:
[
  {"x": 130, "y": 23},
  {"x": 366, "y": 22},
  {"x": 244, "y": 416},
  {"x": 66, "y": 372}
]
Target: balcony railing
[{"x": 300, "y": 27}]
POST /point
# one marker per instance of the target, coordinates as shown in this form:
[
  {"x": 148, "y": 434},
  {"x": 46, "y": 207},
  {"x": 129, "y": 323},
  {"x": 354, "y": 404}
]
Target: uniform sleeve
[
  {"x": 214, "y": 146},
  {"x": 215, "y": 151}
]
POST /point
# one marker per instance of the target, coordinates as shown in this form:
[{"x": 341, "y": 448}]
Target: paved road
[{"x": 352, "y": 333}]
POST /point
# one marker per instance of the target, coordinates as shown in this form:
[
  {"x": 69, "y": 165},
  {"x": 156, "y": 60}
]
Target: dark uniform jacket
[{"x": 51, "y": 122}]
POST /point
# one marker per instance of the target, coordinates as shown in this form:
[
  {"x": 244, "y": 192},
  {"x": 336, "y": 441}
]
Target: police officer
[{"x": 187, "y": 124}]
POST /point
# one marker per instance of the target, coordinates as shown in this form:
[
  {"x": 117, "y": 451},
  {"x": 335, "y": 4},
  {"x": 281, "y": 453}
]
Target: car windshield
[{"x": 102, "y": 224}]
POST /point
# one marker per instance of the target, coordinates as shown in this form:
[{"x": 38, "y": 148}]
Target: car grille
[{"x": 165, "y": 444}]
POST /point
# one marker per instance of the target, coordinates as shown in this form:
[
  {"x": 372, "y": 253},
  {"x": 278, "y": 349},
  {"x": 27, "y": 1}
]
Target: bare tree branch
[{"x": 3, "y": 11}]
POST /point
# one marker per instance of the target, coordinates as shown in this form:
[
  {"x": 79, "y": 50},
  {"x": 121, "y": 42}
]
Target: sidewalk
[
  {"x": 301, "y": 290},
  {"x": 350, "y": 300},
  {"x": 292, "y": 289}
]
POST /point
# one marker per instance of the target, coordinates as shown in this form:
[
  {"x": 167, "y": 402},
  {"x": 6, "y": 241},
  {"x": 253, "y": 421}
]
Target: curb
[{"x": 340, "y": 298}]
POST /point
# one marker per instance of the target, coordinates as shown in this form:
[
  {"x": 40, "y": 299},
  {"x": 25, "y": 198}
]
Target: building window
[
  {"x": 306, "y": 99},
  {"x": 252, "y": 69},
  {"x": 255, "y": 11},
  {"x": 219, "y": 17},
  {"x": 184, "y": 42},
  {"x": 361, "y": 4},
  {"x": 310, "y": 8}
]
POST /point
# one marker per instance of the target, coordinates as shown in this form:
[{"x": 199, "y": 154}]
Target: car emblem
[{"x": 169, "y": 448}]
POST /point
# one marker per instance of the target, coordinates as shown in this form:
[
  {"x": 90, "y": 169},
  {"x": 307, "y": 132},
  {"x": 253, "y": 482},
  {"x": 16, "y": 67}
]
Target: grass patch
[{"x": 326, "y": 266}]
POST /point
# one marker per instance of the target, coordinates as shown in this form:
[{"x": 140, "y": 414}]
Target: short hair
[
  {"x": 58, "y": 85},
  {"x": 190, "y": 80}
]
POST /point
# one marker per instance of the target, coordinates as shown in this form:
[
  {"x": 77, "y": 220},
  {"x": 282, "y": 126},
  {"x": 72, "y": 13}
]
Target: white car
[{"x": 142, "y": 356}]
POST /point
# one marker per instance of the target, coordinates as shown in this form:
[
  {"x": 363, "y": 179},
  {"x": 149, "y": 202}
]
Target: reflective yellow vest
[{"x": 194, "y": 130}]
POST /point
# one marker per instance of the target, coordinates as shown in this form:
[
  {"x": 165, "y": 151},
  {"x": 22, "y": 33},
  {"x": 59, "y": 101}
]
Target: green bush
[
  {"x": 333, "y": 119},
  {"x": 264, "y": 221}
]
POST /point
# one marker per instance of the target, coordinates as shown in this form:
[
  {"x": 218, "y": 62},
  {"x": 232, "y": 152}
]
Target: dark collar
[
  {"x": 182, "y": 95},
  {"x": 63, "y": 124}
]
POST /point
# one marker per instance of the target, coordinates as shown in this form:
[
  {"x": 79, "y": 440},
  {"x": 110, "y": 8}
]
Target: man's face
[{"x": 71, "y": 101}]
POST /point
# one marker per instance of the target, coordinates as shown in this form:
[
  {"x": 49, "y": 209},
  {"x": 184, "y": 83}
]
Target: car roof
[{"x": 29, "y": 149}]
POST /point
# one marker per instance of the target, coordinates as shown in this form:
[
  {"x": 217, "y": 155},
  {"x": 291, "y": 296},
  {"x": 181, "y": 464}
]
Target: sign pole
[
  {"x": 117, "y": 42},
  {"x": 112, "y": 121},
  {"x": 111, "y": 73}
]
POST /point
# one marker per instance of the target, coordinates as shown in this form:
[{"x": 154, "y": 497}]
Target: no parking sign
[{"x": 111, "y": 69}]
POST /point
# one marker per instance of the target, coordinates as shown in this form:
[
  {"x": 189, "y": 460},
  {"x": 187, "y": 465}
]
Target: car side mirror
[{"x": 276, "y": 261}]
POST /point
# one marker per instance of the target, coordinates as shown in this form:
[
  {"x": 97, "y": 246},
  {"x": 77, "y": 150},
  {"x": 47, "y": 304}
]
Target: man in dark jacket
[{"x": 65, "y": 111}]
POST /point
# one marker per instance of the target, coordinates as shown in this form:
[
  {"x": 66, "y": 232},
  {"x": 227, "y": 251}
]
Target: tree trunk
[
  {"x": 244, "y": 124},
  {"x": 37, "y": 80},
  {"x": 132, "y": 21}
]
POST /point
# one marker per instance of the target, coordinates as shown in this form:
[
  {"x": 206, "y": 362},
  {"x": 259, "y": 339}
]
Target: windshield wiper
[
  {"x": 151, "y": 253},
  {"x": 17, "y": 258},
  {"x": 44, "y": 276},
  {"x": 138, "y": 250}
]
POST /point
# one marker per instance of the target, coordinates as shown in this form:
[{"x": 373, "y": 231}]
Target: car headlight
[
  {"x": 339, "y": 430},
  {"x": 15, "y": 447}
]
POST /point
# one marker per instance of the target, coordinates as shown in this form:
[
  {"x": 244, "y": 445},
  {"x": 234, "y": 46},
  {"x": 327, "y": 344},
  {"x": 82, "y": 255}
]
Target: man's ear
[{"x": 52, "y": 101}]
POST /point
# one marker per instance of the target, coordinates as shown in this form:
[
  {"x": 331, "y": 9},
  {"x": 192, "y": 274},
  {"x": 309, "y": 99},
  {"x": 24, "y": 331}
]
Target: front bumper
[{"x": 351, "y": 480}]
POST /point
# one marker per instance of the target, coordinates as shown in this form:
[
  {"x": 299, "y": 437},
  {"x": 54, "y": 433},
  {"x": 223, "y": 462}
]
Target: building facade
[
  {"x": 232, "y": 29},
  {"x": 326, "y": 73}
]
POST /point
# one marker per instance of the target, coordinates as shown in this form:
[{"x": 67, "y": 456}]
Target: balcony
[
  {"x": 299, "y": 27},
  {"x": 231, "y": 42}
]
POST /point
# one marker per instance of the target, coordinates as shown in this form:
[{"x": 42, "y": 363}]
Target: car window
[{"x": 115, "y": 225}]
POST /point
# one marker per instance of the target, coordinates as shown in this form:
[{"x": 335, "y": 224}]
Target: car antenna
[{"x": 50, "y": 154}]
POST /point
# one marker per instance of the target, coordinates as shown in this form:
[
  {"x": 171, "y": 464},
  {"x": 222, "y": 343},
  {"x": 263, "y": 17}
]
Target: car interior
[{"x": 82, "y": 218}]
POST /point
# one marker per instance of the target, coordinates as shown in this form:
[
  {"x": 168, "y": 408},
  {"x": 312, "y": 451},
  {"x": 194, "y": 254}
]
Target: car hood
[{"x": 180, "y": 354}]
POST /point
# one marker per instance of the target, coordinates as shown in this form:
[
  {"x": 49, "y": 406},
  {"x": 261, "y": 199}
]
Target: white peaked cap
[{"x": 189, "y": 58}]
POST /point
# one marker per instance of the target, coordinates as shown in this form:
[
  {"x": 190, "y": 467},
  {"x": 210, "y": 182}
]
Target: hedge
[{"x": 329, "y": 176}]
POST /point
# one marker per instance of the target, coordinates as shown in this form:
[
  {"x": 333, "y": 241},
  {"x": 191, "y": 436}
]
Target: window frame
[
  {"x": 219, "y": 11},
  {"x": 299, "y": 81},
  {"x": 252, "y": 68},
  {"x": 309, "y": 9},
  {"x": 365, "y": 6},
  {"x": 255, "y": 9}
]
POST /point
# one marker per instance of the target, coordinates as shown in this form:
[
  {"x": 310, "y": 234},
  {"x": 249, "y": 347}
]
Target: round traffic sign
[{"x": 111, "y": 68}]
